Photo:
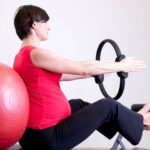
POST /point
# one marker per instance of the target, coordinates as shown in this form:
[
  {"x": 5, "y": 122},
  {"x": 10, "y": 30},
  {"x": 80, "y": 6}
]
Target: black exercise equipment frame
[{"x": 100, "y": 78}]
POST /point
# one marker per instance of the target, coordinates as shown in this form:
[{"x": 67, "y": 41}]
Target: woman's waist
[
  {"x": 49, "y": 107},
  {"x": 49, "y": 115}
]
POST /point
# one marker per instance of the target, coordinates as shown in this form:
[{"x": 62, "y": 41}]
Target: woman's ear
[{"x": 33, "y": 25}]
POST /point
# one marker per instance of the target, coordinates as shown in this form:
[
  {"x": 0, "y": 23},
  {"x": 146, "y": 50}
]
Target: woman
[{"x": 54, "y": 122}]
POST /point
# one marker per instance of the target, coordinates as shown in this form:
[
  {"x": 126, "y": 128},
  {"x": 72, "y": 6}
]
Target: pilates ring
[{"x": 99, "y": 79}]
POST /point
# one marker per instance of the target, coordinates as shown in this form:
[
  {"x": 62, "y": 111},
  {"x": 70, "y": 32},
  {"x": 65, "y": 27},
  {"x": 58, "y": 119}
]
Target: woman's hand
[{"x": 130, "y": 64}]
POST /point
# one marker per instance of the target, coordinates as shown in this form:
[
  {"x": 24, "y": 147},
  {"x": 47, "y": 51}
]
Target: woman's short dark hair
[{"x": 25, "y": 17}]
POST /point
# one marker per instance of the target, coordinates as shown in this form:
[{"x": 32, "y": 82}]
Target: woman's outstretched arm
[{"x": 52, "y": 62}]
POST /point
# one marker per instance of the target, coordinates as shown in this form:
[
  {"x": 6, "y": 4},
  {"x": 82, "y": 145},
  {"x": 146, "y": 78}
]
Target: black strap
[{"x": 122, "y": 75}]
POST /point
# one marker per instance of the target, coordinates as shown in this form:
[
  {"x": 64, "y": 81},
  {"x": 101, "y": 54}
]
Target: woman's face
[{"x": 41, "y": 30}]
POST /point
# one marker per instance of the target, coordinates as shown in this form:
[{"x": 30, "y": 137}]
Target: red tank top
[{"x": 48, "y": 105}]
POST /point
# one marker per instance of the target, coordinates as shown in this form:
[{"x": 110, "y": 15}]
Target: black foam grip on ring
[
  {"x": 121, "y": 74},
  {"x": 137, "y": 107},
  {"x": 100, "y": 78}
]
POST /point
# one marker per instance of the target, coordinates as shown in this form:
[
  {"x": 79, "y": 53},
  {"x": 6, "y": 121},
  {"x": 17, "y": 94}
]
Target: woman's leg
[
  {"x": 108, "y": 130},
  {"x": 100, "y": 115}
]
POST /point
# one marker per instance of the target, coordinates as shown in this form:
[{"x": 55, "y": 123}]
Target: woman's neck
[{"x": 30, "y": 41}]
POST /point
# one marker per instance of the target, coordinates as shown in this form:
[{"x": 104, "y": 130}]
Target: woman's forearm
[
  {"x": 70, "y": 77},
  {"x": 100, "y": 67},
  {"x": 92, "y": 68}
]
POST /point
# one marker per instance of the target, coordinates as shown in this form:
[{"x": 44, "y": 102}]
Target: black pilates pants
[{"x": 106, "y": 116}]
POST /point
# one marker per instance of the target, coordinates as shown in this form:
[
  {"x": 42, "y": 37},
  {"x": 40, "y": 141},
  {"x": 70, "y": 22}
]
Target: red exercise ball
[{"x": 14, "y": 107}]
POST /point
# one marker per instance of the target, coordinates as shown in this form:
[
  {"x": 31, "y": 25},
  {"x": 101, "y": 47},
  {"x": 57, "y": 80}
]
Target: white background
[{"x": 77, "y": 27}]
